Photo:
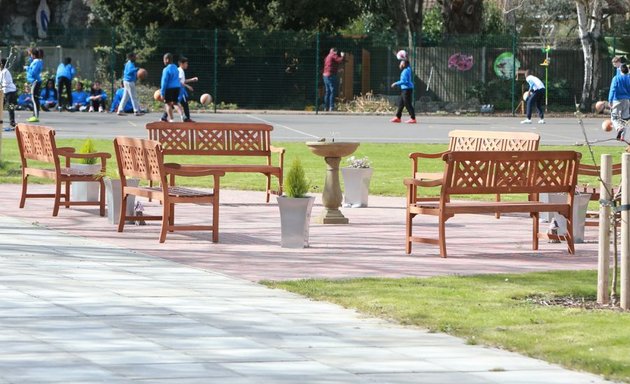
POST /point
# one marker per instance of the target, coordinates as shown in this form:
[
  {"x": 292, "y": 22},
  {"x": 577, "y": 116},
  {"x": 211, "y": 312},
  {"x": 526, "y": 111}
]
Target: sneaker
[
  {"x": 526, "y": 121},
  {"x": 620, "y": 134},
  {"x": 121, "y": 113},
  {"x": 33, "y": 119},
  {"x": 100, "y": 109},
  {"x": 91, "y": 109},
  {"x": 541, "y": 121},
  {"x": 138, "y": 113},
  {"x": 59, "y": 108},
  {"x": 164, "y": 119},
  {"x": 411, "y": 121},
  {"x": 187, "y": 120},
  {"x": 395, "y": 120}
]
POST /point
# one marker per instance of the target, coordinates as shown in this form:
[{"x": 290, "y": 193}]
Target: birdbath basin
[{"x": 332, "y": 152}]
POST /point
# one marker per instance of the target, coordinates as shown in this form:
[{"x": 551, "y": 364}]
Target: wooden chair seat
[
  {"x": 37, "y": 143},
  {"x": 144, "y": 159}
]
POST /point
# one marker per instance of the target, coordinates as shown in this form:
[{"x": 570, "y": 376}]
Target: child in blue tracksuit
[
  {"x": 170, "y": 85},
  {"x": 130, "y": 75},
  {"x": 619, "y": 99},
  {"x": 79, "y": 98},
  {"x": 97, "y": 98},
  {"x": 33, "y": 76},
  {"x": 118, "y": 96},
  {"x": 48, "y": 97},
  {"x": 63, "y": 77},
  {"x": 406, "y": 93}
]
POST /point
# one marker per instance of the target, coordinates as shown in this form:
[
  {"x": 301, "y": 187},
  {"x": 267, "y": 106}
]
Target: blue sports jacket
[
  {"x": 67, "y": 71},
  {"x": 34, "y": 71},
  {"x": 170, "y": 78},
  {"x": 619, "y": 88},
  {"x": 131, "y": 72},
  {"x": 406, "y": 81}
]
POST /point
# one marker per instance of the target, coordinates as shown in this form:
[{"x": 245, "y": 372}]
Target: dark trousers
[
  {"x": 10, "y": 100},
  {"x": 67, "y": 83},
  {"x": 184, "y": 103},
  {"x": 406, "y": 101},
  {"x": 96, "y": 103},
  {"x": 536, "y": 98},
  {"x": 35, "y": 91}
]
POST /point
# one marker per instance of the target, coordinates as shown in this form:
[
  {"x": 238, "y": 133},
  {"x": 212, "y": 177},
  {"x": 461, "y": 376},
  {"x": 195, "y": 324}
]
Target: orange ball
[
  {"x": 525, "y": 95},
  {"x": 142, "y": 73},
  {"x": 600, "y": 106},
  {"x": 607, "y": 125},
  {"x": 157, "y": 96},
  {"x": 205, "y": 99}
]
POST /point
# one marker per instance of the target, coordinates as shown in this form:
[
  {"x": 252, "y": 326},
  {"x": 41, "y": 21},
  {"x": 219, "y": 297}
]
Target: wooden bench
[
  {"x": 486, "y": 173},
  {"x": 222, "y": 139},
  {"x": 592, "y": 217},
  {"x": 461, "y": 140},
  {"x": 37, "y": 143},
  {"x": 144, "y": 159}
]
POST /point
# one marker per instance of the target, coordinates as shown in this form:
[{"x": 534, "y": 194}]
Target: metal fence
[{"x": 282, "y": 70}]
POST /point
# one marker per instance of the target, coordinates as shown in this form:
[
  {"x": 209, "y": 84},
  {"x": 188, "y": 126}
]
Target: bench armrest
[
  {"x": 422, "y": 183},
  {"x": 420, "y": 155},
  {"x": 280, "y": 151},
  {"x": 63, "y": 150},
  {"x": 74, "y": 155}
]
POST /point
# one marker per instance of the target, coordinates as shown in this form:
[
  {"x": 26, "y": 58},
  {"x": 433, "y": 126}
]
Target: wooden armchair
[
  {"x": 37, "y": 143},
  {"x": 144, "y": 159}
]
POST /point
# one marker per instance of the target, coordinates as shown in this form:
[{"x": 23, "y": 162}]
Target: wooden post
[
  {"x": 347, "y": 78},
  {"x": 625, "y": 231},
  {"x": 366, "y": 67},
  {"x": 603, "y": 264}
]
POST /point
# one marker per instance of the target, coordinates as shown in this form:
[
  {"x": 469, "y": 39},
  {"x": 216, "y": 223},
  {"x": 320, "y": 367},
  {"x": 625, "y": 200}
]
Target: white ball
[{"x": 401, "y": 55}]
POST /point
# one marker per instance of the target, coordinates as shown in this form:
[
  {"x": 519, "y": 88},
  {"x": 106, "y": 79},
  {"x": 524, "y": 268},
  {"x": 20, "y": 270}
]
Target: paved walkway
[{"x": 82, "y": 303}]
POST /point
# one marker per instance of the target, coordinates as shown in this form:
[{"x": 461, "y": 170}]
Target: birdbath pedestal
[{"x": 332, "y": 152}]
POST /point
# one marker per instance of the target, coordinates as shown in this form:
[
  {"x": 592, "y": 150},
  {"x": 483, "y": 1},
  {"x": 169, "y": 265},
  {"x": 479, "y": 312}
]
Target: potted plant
[
  {"x": 295, "y": 208},
  {"x": 113, "y": 198},
  {"x": 86, "y": 190},
  {"x": 356, "y": 181}
]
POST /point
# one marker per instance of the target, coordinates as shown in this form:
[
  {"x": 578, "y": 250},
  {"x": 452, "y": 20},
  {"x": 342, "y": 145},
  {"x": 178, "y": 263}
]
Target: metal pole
[
  {"x": 112, "y": 62},
  {"x": 603, "y": 254},
  {"x": 216, "y": 61},
  {"x": 513, "y": 69},
  {"x": 625, "y": 231},
  {"x": 317, "y": 73}
]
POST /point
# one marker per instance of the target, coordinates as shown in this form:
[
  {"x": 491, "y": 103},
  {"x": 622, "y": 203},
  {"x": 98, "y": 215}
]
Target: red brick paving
[{"x": 371, "y": 245}]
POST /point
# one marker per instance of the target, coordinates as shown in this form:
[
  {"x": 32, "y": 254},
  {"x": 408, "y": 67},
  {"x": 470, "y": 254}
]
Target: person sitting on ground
[
  {"x": 25, "y": 100},
  {"x": 118, "y": 97},
  {"x": 79, "y": 98},
  {"x": 48, "y": 97},
  {"x": 97, "y": 98}
]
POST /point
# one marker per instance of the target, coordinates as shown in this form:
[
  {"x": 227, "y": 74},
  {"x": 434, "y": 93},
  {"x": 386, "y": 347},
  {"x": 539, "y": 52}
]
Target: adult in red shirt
[{"x": 331, "y": 66}]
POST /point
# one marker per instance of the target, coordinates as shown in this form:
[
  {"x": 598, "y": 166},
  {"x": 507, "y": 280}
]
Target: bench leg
[
  {"x": 57, "y": 198},
  {"x": 102, "y": 197},
  {"x": 166, "y": 208},
  {"x": 123, "y": 213},
  {"x": 498, "y": 214},
  {"x": 24, "y": 189},
  {"x": 215, "y": 220},
  {"x": 442, "y": 234},
  {"x": 268, "y": 187},
  {"x": 408, "y": 232},
  {"x": 535, "y": 230},
  {"x": 570, "y": 243}
]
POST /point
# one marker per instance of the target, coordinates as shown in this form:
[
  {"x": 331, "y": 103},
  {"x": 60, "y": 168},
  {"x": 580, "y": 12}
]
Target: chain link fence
[{"x": 282, "y": 70}]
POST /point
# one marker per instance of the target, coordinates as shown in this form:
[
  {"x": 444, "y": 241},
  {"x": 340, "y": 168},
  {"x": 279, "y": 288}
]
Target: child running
[{"x": 169, "y": 86}]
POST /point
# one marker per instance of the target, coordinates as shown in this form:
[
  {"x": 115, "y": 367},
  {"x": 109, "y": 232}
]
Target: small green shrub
[
  {"x": 296, "y": 183},
  {"x": 88, "y": 147}
]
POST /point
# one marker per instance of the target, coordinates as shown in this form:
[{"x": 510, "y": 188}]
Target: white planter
[
  {"x": 113, "y": 198},
  {"x": 295, "y": 218},
  {"x": 580, "y": 206},
  {"x": 356, "y": 183},
  {"x": 85, "y": 190}
]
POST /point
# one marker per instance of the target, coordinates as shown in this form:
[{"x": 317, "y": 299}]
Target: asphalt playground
[{"x": 305, "y": 126}]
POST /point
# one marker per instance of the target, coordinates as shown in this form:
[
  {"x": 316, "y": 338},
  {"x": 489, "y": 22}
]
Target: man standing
[
  {"x": 130, "y": 76},
  {"x": 331, "y": 66},
  {"x": 536, "y": 93}
]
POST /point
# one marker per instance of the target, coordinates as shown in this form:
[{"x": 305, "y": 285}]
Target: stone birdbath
[{"x": 332, "y": 152}]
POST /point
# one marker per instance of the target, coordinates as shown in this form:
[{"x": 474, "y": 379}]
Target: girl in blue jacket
[
  {"x": 65, "y": 73},
  {"x": 49, "y": 96},
  {"x": 406, "y": 93},
  {"x": 33, "y": 76}
]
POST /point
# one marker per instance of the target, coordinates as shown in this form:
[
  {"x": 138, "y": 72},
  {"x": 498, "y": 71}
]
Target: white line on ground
[{"x": 283, "y": 126}]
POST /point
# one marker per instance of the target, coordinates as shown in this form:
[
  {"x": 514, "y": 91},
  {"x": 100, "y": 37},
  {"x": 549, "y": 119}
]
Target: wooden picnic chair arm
[
  {"x": 415, "y": 155},
  {"x": 74, "y": 155},
  {"x": 277, "y": 149},
  {"x": 62, "y": 150},
  {"x": 280, "y": 151},
  {"x": 422, "y": 183},
  {"x": 175, "y": 169}
]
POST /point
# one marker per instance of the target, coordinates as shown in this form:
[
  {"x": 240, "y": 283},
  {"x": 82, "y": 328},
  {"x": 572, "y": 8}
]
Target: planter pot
[
  {"x": 113, "y": 198},
  {"x": 85, "y": 190},
  {"x": 356, "y": 183},
  {"x": 295, "y": 218},
  {"x": 580, "y": 206}
]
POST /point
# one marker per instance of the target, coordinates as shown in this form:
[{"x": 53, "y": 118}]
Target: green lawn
[
  {"x": 390, "y": 162},
  {"x": 495, "y": 310}
]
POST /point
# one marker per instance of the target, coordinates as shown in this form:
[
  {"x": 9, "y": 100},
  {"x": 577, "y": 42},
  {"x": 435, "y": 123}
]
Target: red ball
[
  {"x": 142, "y": 73},
  {"x": 600, "y": 106},
  {"x": 607, "y": 125},
  {"x": 157, "y": 96}
]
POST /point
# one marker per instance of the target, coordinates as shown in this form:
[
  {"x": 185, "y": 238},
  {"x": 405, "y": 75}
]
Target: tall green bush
[
  {"x": 88, "y": 147},
  {"x": 296, "y": 184}
]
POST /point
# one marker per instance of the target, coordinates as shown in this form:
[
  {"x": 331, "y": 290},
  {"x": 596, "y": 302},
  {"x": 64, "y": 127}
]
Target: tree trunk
[
  {"x": 589, "y": 25},
  {"x": 462, "y": 16}
]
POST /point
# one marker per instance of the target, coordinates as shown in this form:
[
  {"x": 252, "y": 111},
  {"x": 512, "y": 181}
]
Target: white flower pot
[
  {"x": 580, "y": 206},
  {"x": 356, "y": 183},
  {"x": 113, "y": 198},
  {"x": 85, "y": 190},
  {"x": 295, "y": 218}
]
